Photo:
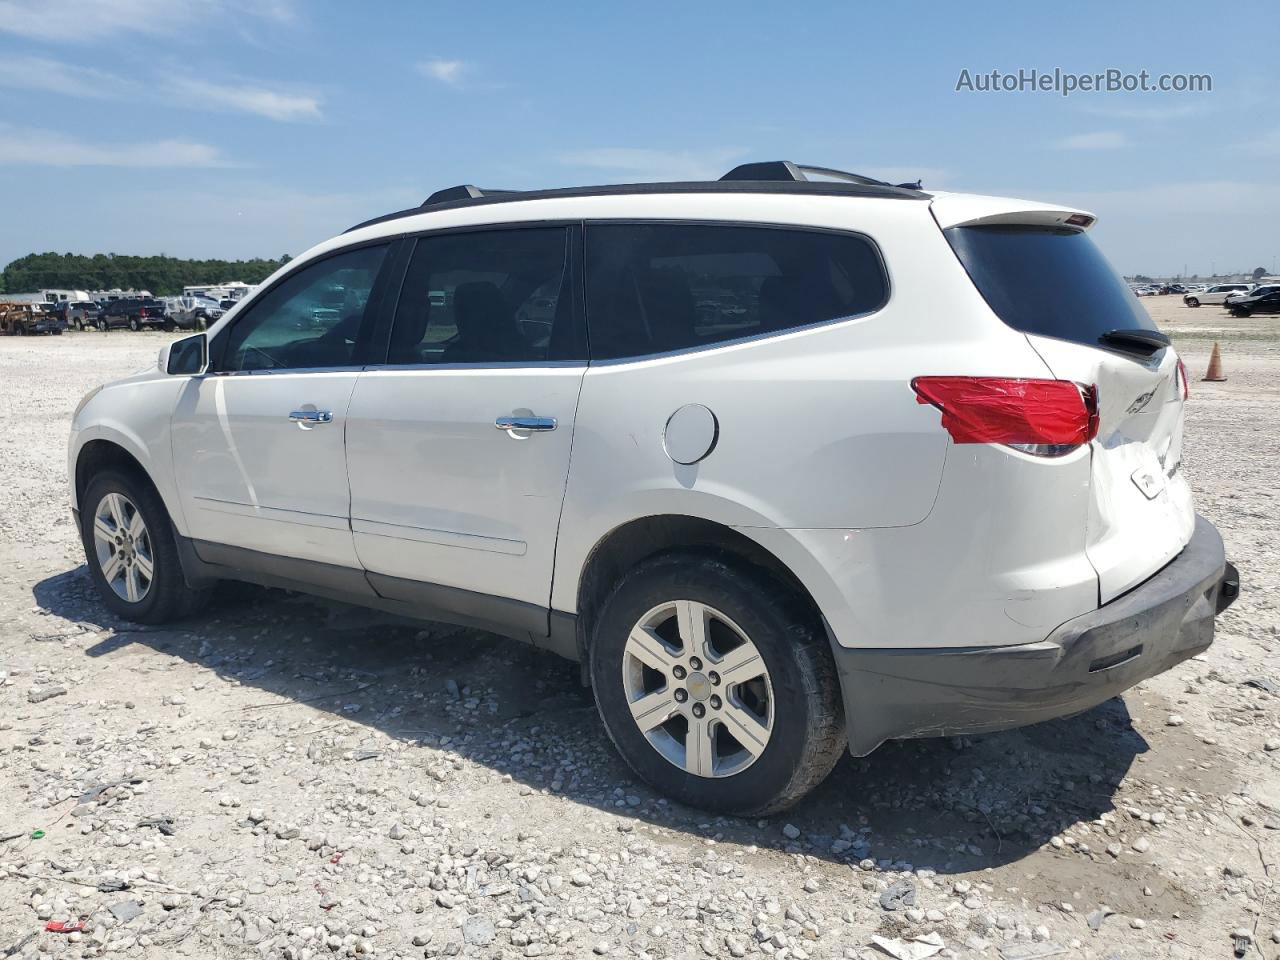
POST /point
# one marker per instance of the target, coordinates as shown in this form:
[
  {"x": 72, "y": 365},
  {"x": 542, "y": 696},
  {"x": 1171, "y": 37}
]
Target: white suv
[
  {"x": 1218, "y": 293},
  {"x": 785, "y": 463}
]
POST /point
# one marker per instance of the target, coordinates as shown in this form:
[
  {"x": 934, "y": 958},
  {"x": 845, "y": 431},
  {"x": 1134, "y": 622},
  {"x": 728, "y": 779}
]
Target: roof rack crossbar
[
  {"x": 463, "y": 191},
  {"x": 786, "y": 171}
]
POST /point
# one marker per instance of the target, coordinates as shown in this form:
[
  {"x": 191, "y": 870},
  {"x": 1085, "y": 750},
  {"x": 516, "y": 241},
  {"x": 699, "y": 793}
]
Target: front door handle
[
  {"x": 525, "y": 423},
  {"x": 311, "y": 417}
]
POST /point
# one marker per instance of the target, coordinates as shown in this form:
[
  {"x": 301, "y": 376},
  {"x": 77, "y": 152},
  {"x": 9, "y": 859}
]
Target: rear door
[
  {"x": 1050, "y": 281},
  {"x": 458, "y": 445}
]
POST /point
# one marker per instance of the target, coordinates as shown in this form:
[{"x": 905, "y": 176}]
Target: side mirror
[{"x": 186, "y": 357}]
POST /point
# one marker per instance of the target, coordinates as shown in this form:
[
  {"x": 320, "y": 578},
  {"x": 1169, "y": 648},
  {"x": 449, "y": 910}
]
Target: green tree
[{"x": 162, "y": 275}]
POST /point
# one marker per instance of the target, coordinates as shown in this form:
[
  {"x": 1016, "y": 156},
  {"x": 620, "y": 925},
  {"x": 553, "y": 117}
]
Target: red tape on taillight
[{"x": 1012, "y": 411}]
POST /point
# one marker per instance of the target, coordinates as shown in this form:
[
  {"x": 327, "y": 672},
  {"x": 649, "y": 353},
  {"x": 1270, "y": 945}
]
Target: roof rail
[
  {"x": 785, "y": 170},
  {"x": 463, "y": 191}
]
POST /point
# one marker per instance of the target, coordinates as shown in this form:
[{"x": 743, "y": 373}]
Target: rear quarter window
[
  {"x": 659, "y": 287},
  {"x": 1049, "y": 281}
]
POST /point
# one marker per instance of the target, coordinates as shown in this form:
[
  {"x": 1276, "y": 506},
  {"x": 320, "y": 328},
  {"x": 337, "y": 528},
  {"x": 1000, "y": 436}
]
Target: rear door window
[
  {"x": 659, "y": 287},
  {"x": 1049, "y": 281},
  {"x": 486, "y": 297}
]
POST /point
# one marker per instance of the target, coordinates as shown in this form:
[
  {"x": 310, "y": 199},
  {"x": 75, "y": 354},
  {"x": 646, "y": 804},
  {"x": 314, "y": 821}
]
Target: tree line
[{"x": 106, "y": 271}]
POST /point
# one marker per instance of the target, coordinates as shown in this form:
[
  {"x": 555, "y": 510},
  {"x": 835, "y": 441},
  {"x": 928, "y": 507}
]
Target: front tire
[
  {"x": 717, "y": 685},
  {"x": 1193, "y": 302},
  {"x": 131, "y": 551}
]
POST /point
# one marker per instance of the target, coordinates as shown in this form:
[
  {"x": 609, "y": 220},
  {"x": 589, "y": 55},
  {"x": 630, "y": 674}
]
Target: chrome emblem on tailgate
[{"x": 1140, "y": 402}]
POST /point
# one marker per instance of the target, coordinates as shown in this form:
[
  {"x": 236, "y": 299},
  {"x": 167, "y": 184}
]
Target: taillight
[
  {"x": 1182, "y": 374},
  {"x": 1045, "y": 418}
]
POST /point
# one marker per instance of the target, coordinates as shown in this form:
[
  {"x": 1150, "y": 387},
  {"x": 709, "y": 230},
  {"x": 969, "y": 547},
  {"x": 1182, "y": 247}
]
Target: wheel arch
[
  {"x": 640, "y": 539},
  {"x": 102, "y": 454}
]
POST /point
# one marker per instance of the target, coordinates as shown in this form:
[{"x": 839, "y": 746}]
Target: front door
[
  {"x": 258, "y": 442},
  {"x": 458, "y": 447}
]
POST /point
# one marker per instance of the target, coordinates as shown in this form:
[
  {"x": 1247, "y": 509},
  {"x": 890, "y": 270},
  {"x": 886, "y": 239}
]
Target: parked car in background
[
  {"x": 1217, "y": 293},
  {"x": 200, "y": 312},
  {"x": 767, "y": 543},
  {"x": 25, "y": 319},
  {"x": 192, "y": 312},
  {"x": 81, "y": 314},
  {"x": 1264, "y": 299},
  {"x": 136, "y": 313},
  {"x": 1254, "y": 289}
]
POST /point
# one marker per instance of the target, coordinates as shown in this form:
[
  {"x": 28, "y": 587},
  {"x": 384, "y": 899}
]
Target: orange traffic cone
[{"x": 1214, "y": 372}]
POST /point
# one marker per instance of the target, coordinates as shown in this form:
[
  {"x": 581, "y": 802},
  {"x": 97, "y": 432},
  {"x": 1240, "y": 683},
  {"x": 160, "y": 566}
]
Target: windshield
[{"x": 1050, "y": 281}]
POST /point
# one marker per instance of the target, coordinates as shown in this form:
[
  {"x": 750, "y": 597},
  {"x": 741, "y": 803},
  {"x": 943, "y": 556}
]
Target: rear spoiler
[{"x": 968, "y": 210}]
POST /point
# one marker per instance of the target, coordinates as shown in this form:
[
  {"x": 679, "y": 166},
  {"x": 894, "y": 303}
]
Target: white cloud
[
  {"x": 53, "y": 76},
  {"x": 449, "y": 72},
  {"x": 1267, "y": 144},
  {"x": 39, "y": 73},
  {"x": 273, "y": 104},
  {"x": 642, "y": 163},
  {"x": 1174, "y": 112},
  {"x": 1101, "y": 140},
  {"x": 84, "y": 21},
  {"x": 46, "y": 148}
]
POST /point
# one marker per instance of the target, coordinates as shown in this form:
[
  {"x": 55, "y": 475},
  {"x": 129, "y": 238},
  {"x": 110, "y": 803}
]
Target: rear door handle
[
  {"x": 311, "y": 417},
  {"x": 525, "y": 423}
]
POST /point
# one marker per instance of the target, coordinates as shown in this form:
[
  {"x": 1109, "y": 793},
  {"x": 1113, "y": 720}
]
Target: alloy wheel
[
  {"x": 122, "y": 545},
  {"x": 698, "y": 689}
]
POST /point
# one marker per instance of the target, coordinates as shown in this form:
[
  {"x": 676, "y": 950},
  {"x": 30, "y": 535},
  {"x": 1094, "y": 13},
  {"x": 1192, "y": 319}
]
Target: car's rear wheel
[
  {"x": 1193, "y": 302},
  {"x": 103, "y": 327},
  {"x": 716, "y": 685},
  {"x": 130, "y": 548},
  {"x": 134, "y": 324}
]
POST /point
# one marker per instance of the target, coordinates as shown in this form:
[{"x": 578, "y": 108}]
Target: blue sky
[{"x": 239, "y": 128}]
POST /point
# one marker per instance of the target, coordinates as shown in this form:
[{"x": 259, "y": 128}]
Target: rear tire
[
  {"x": 753, "y": 629},
  {"x": 133, "y": 536},
  {"x": 134, "y": 325},
  {"x": 1192, "y": 302}
]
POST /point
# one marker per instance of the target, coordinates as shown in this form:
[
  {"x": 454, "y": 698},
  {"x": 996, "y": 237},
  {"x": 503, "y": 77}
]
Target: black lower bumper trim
[{"x": 940, "y": 691}]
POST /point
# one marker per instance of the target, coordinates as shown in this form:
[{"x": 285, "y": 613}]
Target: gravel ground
[{"x": 285, "y": 777}]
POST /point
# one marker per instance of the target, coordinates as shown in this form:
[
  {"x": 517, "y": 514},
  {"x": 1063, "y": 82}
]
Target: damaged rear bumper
[{"x": 904, "y": 693}]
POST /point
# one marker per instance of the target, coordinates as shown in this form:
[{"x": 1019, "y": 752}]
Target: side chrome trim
[
  {"x": 276, "y": 514},
  {"x": 444, "y": 538}
]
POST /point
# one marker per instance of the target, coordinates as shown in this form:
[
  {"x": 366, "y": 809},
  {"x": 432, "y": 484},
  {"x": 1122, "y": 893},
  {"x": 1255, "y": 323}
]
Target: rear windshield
[{"x": 1050, "y": 281}]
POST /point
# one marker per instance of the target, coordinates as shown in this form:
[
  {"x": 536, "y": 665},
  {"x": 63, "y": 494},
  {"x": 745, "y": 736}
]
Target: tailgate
[
  {"x": 1140, "y": 512},
  {"x": 1042, "y": 275}
]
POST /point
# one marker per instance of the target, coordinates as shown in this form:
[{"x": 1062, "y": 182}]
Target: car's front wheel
[
  {"x": 130, "y": 548},
  {"x": 717, "y": 685},
  {"x": 1193, "y": 302}
]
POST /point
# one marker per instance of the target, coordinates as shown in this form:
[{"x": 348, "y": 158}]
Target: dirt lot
[{"x": 285, "y": 777}]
